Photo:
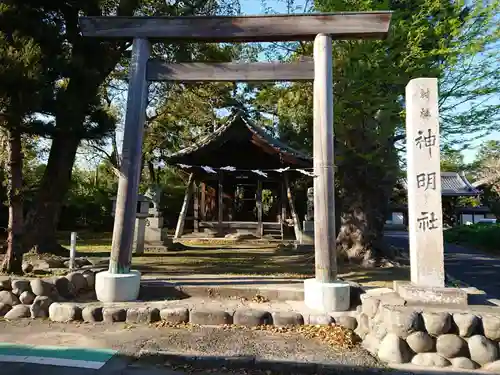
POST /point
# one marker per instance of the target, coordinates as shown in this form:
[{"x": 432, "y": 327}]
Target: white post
[
  {"x": 324, "y": 293},
  {"x": 425, "y": 216},
  {"x": 72, "y": 251}
]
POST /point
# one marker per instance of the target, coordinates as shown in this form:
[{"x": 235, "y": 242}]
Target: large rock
[
  {"x": 210, "y": 317},
  {"x": 451, "y": 346},
  {"x": 319, "y": 319},
  {"x": 363, "y": 325},
  {"x": 40, "y": 307},
  {"x": 400, "y": 320},
  {"x": 64, "y": 312},
  {"x": 468, "y": 324},
  {"x": 79, "y": 263},
  {"x": 19, "y": 286},
  {"x": 42, "y": 288},
  {"x": 287, "y": 318},
  {"x": 77, "y": 279},
  {"x": 92, "y": 314},
  {"x": 64, "y": 287},
  {"x": 27, "y": 297},
  {"x": 114, "y": 314},
  {"x": 348, "y": 322},
  {"x": 377, "y": 328},
  {"x": 369, "y": 305},
  {"x": 391, "y": 299},
  {"x": 82, "y": 262},
  {"x": 5, "y": 283},
  {"x": 463, "y": 363},
  {"x": 27, "y": 267},
  {"x": 89, "y": 276},
  {"x": 493, "y": 367},
  {"x": 482, "y": 350},
  {"x": 491, "y": 327},
  {"x": 18, "y": 312},
  {"x": 143, "y": 315},
  {"x": 47, "y": 264},
  {"x": 371, "y": 343},
  {"x": 420, "y": 342},
  {"x": 437, "y": 323},
  {"x": 430, "y": 360},
  {"x": 4, "y": 309},
  {"x": 175, "y": 315},
  {"x": 251, "y": 318},
  {"x": 9, "y": 298},
  {"x": 393, "y": 349}
]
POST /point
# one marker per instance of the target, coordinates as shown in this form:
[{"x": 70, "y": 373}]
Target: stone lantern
[{"x": 142, "y": 213}]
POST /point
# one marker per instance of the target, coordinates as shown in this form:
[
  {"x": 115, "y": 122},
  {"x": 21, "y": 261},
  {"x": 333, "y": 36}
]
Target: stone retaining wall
[
  {"x": 58, "y": 299},
  {"x": 23, "y": 298},
  {"x": 433, "y": 336}
]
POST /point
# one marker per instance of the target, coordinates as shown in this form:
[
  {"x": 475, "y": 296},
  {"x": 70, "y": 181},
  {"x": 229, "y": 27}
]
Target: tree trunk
[
  {"x": 13, "y": 259},
  {"x": 43, "y": 218},
  {"x": 366, "y": 187},
  {"x": 152, "y": 173},
  {"x": 360, "y": 239}
]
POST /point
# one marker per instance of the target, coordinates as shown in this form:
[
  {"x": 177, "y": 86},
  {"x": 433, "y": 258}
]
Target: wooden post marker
[
  {"x": 258, "y": 204},
  {"x": 424, "y": 183},
  {"x": 119, "y": 283},
  {"x": 179, "y": 229},
  {"x": 425, "y": 213},
  {"x": 324, "y": 292}
]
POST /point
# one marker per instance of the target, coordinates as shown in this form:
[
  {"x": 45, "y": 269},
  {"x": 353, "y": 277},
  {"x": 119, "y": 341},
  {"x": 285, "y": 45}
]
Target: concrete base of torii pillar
[
  {"x": 115, "y": 287},
  {"x": 327, "y": 297}
]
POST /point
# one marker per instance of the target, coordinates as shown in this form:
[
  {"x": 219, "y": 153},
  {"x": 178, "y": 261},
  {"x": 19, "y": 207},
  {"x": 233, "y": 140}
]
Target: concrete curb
[{"x": 250, "y": 363}]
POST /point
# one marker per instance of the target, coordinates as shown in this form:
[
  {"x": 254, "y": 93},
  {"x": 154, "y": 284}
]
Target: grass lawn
[
  {"x": 236, "y": 258},
  {"x": 229, "y": 258},
  {"x": 482, "y": 236}
]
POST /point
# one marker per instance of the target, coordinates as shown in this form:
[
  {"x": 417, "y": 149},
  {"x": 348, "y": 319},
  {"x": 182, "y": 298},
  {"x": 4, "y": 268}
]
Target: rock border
[
  {"x": 23, "y": 298},
  {"x": 429, "y": 335}
]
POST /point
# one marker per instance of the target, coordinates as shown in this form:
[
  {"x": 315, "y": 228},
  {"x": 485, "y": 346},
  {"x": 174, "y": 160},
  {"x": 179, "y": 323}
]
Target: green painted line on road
[{"x": 71, "y": 356}]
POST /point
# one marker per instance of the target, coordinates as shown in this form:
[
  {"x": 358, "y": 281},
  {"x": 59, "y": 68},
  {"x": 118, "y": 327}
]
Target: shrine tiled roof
[
  {"x": 238, "y": 127},
  {"x": 454, "y": 184}
]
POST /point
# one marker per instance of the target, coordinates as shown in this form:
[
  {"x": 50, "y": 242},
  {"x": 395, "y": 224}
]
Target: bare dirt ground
[{"x": 131, "y": 340}]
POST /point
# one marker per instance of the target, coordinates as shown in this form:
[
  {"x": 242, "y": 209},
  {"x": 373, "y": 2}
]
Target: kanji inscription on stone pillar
[{"x": 425, "y": 216}]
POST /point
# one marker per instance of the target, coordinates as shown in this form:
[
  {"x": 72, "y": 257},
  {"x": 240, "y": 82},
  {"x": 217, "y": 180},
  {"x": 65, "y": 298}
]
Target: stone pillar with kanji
[
  {"x": 425, "y": 214},
  {"x": 424, "y": 183}
]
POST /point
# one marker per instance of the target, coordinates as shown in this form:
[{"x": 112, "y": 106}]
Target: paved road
[{"x": 467, "y": 265}]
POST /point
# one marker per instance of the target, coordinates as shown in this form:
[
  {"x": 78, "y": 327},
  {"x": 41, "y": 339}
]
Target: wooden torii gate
[{"x": 120, "y": 283}]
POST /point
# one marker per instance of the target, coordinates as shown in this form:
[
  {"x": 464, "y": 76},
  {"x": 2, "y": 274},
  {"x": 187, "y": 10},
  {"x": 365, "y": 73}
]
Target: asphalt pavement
[{"x": 468, "y": 265}]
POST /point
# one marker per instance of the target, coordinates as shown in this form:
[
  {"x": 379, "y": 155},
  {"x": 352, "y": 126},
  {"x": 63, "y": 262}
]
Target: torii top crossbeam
[{"x": 268, "y": 28}]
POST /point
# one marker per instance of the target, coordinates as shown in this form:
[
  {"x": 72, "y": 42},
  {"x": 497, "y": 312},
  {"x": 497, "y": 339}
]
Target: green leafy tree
[
  {"x": 487, "y": 174},
  {"x": 26, "y": 79},
  {"x": 452, "y": 160},
  {"x": 428, "y": 38},
  {"x": 79, "y": 107}
]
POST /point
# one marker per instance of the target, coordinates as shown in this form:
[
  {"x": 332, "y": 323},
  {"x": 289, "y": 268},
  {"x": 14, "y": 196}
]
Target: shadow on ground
[{"x": 175, "y": 364}]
